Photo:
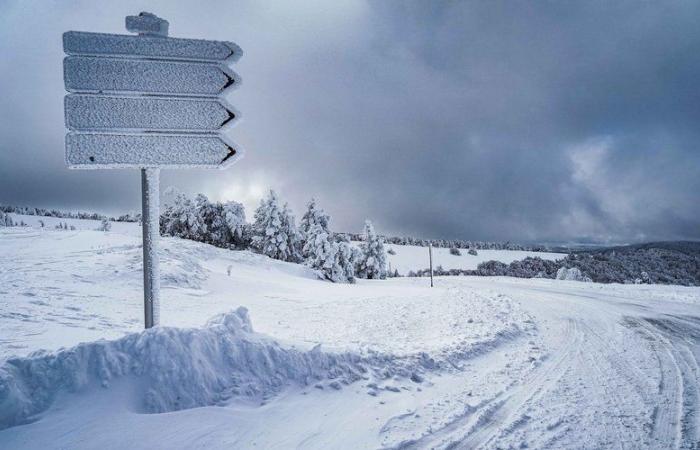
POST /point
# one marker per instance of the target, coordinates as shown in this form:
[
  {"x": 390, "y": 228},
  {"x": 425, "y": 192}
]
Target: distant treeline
[
  {"x": 452, "y": 243},
  {"x": 31, "y": 211},
  {"x": 651, "y": 263}
]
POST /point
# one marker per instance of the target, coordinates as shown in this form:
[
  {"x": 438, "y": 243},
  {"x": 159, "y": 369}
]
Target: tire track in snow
[
  {"x": 514, "y": 409},
  {"x": 680, "y": 339},
  {"x": 485, "y": 421}
]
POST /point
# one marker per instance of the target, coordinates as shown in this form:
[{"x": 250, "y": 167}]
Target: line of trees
[
  {"x": 274, "y": 233},
  {"x": 397, "y": 240},
  {"x": 454, "y": 243}
]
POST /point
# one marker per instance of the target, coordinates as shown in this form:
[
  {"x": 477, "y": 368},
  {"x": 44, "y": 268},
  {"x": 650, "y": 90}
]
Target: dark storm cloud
[{"x": 476, "y": 120}]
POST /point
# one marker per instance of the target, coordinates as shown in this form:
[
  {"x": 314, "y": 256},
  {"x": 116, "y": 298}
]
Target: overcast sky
[{"x": 521, "y": 121}]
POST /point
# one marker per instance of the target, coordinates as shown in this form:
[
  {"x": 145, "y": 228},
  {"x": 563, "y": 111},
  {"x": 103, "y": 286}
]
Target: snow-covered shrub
[
  {"x": 222, "y": 223},
  {"x": 216, "y": 223},
  {"x": 213, "y": 229},
  {"x": 5, "y": 220},
  {"x": 492, "y": 269},
  {"x": 105, "y": 225},
  {"x": 455, "y": 251},
  {"x": 372, "y": 263},
  {"x": 273, "y": 232},
  {"x": 472, "y": 252},
  {"x": 571, "y": 274},
  {"x": 391, "y": 251},
  {"x": 180, "y": 217}
]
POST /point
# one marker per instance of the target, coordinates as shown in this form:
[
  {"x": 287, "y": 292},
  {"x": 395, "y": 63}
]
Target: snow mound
[
  {"x": 177, "y": 368},
  {"x": 571, "y": 274}
]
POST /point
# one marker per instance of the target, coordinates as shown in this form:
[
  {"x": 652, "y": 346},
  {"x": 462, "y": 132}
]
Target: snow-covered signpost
[{"x": 148, "y": 102}]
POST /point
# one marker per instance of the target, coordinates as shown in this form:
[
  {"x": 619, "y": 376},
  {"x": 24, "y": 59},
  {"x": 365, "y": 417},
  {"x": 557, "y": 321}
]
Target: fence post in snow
[{"x": 430, "y": 254}]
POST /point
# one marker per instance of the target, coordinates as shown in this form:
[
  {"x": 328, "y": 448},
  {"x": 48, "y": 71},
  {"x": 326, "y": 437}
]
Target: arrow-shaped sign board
[
  {"x": 169, "y": 151},
  {"x": 115, "y": 75},
  {"x": 100, "y": 112},
  {"x": 100, "y": 44}
]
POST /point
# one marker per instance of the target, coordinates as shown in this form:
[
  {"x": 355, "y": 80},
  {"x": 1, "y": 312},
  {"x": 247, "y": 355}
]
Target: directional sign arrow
[
  {"x": 100, "y": 44},
  {"x": 168, "y": 151},
  {"x": 99, "y": 112},
  {"x": 114, "y": 75}
]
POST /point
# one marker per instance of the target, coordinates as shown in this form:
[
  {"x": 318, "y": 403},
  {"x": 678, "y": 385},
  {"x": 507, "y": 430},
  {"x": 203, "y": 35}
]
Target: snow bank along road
[{"x": 472, "y": 363}]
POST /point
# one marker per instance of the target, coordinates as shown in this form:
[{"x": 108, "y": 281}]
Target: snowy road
[
  {"x": 501, "y": 362},
  {"x": 620, "y": 374}
]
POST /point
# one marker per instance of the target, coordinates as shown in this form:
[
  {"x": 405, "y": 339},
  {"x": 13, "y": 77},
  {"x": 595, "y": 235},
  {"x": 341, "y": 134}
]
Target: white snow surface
[{"x": 271, "y": 357}]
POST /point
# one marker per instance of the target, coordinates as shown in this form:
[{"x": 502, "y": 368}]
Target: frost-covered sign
[{"x": 148, "y": 101}]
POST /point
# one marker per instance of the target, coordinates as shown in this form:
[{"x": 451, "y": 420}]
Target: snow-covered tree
[
  {"x": 314, "y": 220},
  {"x": 273, "y": 232},
  {"x": 372, "y": 263},
  {"x": 345, "y": 260},
  {"x": 214, "y": 229},
  {"x": 234, "y": 217},
  {"x": 289, "y": 229},
  {"x": 333, "y": 261},
  {"x": 321, "y": 252},
  {"x": 180, "y": 217}
]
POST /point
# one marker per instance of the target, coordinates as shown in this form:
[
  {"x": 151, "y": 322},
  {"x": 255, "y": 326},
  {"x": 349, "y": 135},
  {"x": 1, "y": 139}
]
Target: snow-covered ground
[{"x": 472, "y": 363}]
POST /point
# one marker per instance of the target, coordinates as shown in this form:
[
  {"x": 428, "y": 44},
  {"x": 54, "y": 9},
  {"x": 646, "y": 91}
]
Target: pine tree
[
  {"x": 234, "y": 217},
  {"x": 372, "y": 264},
  {"x": 321, "y": 252},
  {"x": 314, "y": 221},
  {"x": 273, "y": 232},
  {"x": 289, "y": 229},
  {"x": 345, "y": 260}
]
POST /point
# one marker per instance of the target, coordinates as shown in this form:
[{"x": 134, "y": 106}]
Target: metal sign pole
[
  {"x": 430, "y": 253},
  {"x": 150, "y": 220},
  {"x": 150, "y": 25}
]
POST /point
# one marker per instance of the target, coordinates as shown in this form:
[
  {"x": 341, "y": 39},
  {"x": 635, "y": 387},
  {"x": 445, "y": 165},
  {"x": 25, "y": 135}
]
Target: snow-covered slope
[{"x": 472, "y": 363}]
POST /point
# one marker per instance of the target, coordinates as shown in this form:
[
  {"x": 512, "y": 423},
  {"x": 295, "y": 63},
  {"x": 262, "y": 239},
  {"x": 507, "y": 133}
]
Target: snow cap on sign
[{"x": 147, "y": 23}]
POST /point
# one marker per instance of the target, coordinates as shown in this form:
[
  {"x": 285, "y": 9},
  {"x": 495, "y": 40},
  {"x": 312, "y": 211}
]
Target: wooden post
[{"x": 430, "y": 253}]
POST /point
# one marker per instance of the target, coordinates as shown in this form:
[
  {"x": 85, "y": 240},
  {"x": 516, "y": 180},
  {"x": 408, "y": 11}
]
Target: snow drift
[{"x": 179, "y": 368}]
